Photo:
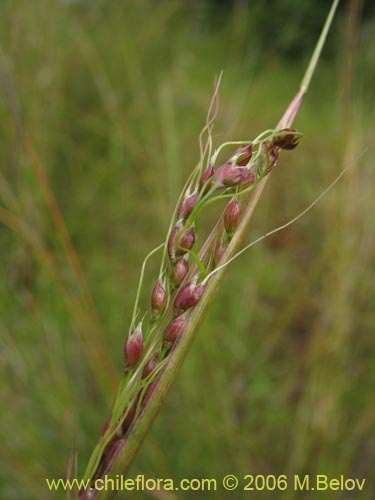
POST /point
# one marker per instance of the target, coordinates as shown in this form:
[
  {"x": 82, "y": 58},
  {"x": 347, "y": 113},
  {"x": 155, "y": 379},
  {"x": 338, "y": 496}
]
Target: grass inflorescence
[{"x": 174, "y": 303}]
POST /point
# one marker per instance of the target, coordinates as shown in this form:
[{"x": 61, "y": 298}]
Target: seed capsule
[
  {"x": 187, "y": 297},
  {"x": 231, "y": 215},
  {"x": 175, "y": 329},
  {"x": 187, "y": 206},
  {"x": 133, "y": 347},
  {"x": 158, "y": 300},
  {"x": 286, "y": 138},
  {"x": 186, "y": 242},
  {"x": 183, "y": 245},
  {"x": 250, "y": 179},
  {"x": 243, "y": 155},
  {"x": 229, "y": 175},
  {"x": 179, "y": 271}
]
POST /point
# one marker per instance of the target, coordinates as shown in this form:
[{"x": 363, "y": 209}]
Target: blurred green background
[{"x": 112, "y": 95}]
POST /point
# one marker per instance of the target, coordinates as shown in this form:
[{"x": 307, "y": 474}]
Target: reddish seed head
[
  {"x": 179, "y": 271},
  {"x": 187, "y": 297},
  {"x": 187, "y": 206},
  {"x": 133, "y": 347},
  {"x": 158, "y": 300},
  {"x": 185, "y": 241},
  {"x": 229, "y": 175},
  {"x": 175, "y": 329},
  {"x": 287, "y": 138},
  {"x": 207, "y": 174},
  {"x": 231, "y": 215},
  {"x": 243, "y": 155},
  {"x": 250, "y": 179}
]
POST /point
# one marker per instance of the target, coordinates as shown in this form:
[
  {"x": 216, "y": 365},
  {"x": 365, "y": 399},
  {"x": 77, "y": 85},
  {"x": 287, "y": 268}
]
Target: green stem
[{"x": 318, "y": 49}]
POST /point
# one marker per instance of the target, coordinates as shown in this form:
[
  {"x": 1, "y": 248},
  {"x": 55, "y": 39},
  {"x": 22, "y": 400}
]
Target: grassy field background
[{"x": 112, "y": 96}]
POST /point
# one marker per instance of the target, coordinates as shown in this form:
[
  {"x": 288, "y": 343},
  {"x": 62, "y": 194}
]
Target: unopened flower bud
[
  {"x": 150, "y": 365},
  {"x": 243, "y": 155},
  {"x": 250, "y": 179},
  {"x": 207, "y": 174},
  {"x": 133, "y": 347},
  {"x": 229, "y": 175},
  {"x": 184, "y": 243},
  {"x": 175, "y": 329},
  {"x": 287, "y": 138},
  {"x": 158, "y": 300},
  {"x": 187, "y": 206},
  {"x": 231, "y": 215},
  {"x": 187, "y": 297},
  {"x": 179, "y": 271}
]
